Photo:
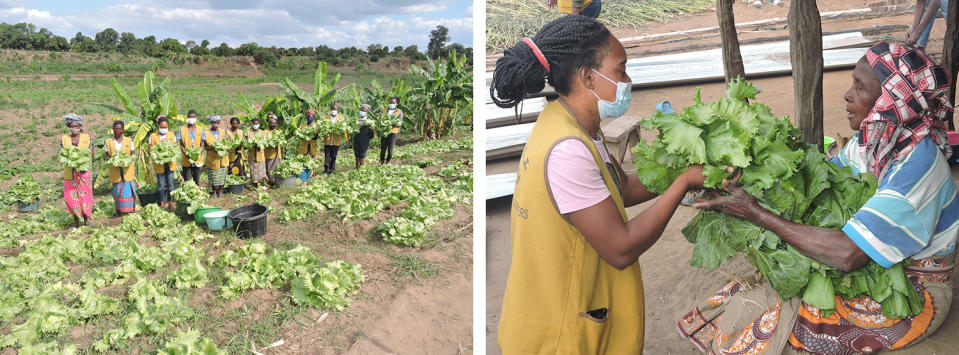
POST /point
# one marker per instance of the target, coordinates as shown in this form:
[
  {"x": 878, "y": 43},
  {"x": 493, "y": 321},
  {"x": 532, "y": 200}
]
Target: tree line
[{"x": 27, "y": 36}]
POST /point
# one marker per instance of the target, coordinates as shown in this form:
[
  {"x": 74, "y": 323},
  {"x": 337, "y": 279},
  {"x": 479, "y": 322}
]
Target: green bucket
[
  {"x": 200, "y": 214},
  {"x": 217, "y": 220},
  {"x": 826, "y": 141}
]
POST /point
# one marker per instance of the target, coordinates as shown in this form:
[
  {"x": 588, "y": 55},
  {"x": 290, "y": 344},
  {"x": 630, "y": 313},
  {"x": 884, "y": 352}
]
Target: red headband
[{"x": 536, "y": 51}]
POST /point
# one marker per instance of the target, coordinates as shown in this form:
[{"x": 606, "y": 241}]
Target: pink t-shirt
[{"x": 574, "y": 178}]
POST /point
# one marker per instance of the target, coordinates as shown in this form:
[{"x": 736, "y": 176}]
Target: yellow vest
[
  {"x": 556, "y": 276},
  {"x": 335, "y": 138},
  {"x": 255, "y": 154},
  {"x": 273, "y": 152},
  {"x": 213, "y": 159},
  {"x": 117, "y": 174},
  {"x": 566, "y": 6},
  {"x": 397, "y": 112},
  {"x": 190, "y": 142},
  {"x": 307, "y": 147},
  {"x": 231, "y": 136},
  {"x": 66, "y": 141},
  {"x": 154, "y": 139}
]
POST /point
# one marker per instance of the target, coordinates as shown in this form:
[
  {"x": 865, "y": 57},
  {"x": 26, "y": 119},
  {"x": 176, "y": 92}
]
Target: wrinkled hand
[
  {"x": 739, "y": 203},
  {"x": 550, "y": 4}
]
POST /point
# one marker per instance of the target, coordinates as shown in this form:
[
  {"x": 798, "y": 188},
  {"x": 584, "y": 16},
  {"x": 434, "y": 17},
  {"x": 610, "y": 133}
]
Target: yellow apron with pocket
[
  {"x": 196, "y": 142},
  {"x": 213, "y": 159},
  {"x": 255, "y": 154},
  {"x": 307, "y": 147},
  {"x": 272, "y": 152},
  {"x": 556, "y": 277},
  {"x": 66, "y": 141},
  {"x": 334, "y": 139},
  {"x": 154, "y": 139},
  {"x": 117, "y": 174}
]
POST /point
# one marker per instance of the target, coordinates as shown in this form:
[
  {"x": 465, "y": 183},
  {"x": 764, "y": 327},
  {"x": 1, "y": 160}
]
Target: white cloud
[{"x": 36, "y": 17}]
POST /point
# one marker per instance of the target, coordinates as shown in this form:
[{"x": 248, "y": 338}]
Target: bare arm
[
  {"x": 922, "y": 19},
  {"x": 829, "y": 246},
  {"x": 620, "y": 244},
  {"x": 634, "y": 192}
]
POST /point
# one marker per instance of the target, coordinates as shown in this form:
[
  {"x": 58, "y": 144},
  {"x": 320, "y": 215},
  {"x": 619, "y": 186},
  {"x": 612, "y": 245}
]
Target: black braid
[{"x": 568, "y": 43}]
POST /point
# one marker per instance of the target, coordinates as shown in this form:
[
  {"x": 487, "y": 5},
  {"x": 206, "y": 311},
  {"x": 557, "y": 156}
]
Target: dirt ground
[{"x": 672, "y": 286}]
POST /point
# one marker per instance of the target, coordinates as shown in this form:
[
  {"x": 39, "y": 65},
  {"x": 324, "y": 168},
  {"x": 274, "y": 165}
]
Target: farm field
[{"x": 323, "y": 279}]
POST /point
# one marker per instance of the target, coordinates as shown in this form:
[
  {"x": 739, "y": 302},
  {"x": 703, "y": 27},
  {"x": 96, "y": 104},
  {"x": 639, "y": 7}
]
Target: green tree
[
  {"x": 438, "y": 38},
  {"x": 223, "y": 50},
  {"x": 247, "y": 49},
  {"x": 127, "y": 43},
  {"x": 107, "y": 39},
  {"x": 150, "y": 47}
]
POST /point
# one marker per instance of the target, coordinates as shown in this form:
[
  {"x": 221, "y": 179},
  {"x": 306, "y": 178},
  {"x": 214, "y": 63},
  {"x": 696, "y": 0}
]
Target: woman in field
[
  {"x": 897, "y": 103},
  {"x": 575, "y": 284},
  {"x": 255, "y": 154},
  {"x": 273, "y": 155},
  {"x": 308, "y": 147},
  {"x": 215, "y": 164},
  {"x": 122, "y": 178},
  {"x": 77, "y": 184},
  {"x": 331, "y": 144},
  {"x": 389, "y": 142},
  {"x": 164, "y": 172},
  {"x": 190, "y": 136},
  {"x": 236, "y": 156},
  {"x": 361, "y": 141}
]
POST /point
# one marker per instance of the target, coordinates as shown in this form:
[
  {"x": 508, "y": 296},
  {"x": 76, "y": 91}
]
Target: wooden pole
[
  {"x": 805, "y": 52},
  {"x": 950, "y": 54},
  {"x": 732, "y": 59}
]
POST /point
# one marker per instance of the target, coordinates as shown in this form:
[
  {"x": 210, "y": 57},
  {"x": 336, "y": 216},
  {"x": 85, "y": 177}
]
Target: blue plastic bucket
[
  {"x": 305, "y": 175},
  {"x": 217, "y": 221}
]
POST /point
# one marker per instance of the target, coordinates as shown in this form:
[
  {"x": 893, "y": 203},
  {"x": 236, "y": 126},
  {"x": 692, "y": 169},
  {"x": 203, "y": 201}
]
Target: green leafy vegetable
[
  {"x": 24, "y": 190},
  {"x": 76, "y": 157},
  {"x": 191, "y": 194},
  {"x": 165, "y": 152},
  {"x": 121, "y": 159},
  {"x": 195, "y": 155}
]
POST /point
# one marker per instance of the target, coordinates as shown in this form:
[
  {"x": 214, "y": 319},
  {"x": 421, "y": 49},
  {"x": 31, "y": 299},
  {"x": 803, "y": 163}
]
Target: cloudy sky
[{"x": 282, "y": 23}]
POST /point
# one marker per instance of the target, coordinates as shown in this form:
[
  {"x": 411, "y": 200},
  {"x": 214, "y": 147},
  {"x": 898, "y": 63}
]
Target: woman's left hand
[{"x": 739, "y": 203}]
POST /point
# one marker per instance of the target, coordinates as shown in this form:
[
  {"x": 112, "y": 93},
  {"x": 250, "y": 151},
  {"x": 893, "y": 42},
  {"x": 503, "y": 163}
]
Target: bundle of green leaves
[
  {"x": 190, "y": 342},
  {"x": 224, "y": 146},
  {"x": 293, "y": 165},
  {"x": 234, "y": 180},
  {"x": 256, "y": 141},
  {"x": 76, "y": 157},
  {"x": 787, "y": 177},
  {"x": 192, "y": 194},
  {"x": 307, "y": 133},
  {"x": 165, "y": 152},
  {"x": 121, "y": 159},
  {"x": 385, "y": 123},
  {"x": 24, "y": 190},
  {"x": 195, "y": 154}
]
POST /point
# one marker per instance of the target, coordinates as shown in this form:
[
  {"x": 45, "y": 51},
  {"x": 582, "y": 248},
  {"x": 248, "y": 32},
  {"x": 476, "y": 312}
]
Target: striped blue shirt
[{"x": 915, "y": 211}]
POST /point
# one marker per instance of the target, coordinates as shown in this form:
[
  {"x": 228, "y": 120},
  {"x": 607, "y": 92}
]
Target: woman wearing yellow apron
[
  {"x": 273, "y": 155},
  {"x": 331, "y": 144},
  {"x": 308, "y": 147},
  {"x": 77, "y": 185},
  {"x": 123, "y": 179},
  {"x": 190, "y": 136},
  {"x": 164, "y": 172},
  {"x": 575, "y": 285},
  {"x": 236, "y": 156},
  {"x": 256, "y": 156},
  {"x": 215, "y": 164}
]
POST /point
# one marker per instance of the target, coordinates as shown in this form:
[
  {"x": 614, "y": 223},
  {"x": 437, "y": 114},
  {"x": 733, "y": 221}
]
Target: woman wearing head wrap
[
  {"x": 122, "y": 178},
  {"x": 236, "y": 156},
  {"x": 897, "y": 104},
  {"x": 77, "y": 184},
  {"x": 361, "y": 141},
  {"x": 273, "y": 155},
  {"x": 389, "y": 142},
  {"x": 308, "y": 147},
  {"x": 255, "y": 154},
  {"x": 216, "y": 165}
]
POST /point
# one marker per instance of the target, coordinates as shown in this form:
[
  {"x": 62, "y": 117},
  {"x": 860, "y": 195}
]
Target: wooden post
[
  {"x": 805, "y": 52},
  {"x": 950, "y": 54},
  {"x": 732, "y": 59}
]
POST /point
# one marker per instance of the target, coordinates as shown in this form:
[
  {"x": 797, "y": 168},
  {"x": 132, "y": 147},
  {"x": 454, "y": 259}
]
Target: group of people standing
[{"x": 253, "y": 163}]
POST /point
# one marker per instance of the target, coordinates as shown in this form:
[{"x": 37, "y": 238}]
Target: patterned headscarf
[
  {"x": 912, "y": 106},
  {"x": 71, "y": 118},
  {"x": 214, "y": 118},
  {"x": 366, "y": 106}
]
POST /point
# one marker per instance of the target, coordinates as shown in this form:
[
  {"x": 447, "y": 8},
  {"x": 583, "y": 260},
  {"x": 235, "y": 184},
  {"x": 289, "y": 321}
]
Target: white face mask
[
  {"x": 256, "y": 126},
  {"x": 612, "y": 109},
  {"x": 333, "y": 113},
  {"x": 362, "y": 114},
  {"x": 392, "y": 106},
  {"x": 191, "y": 120},
  {"x": 163, "y": 130}
]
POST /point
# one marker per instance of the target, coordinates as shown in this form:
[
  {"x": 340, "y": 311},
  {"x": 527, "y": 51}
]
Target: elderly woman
[
  {"x": 77, "y": 184},
  {"x": 897, "y": 104},
  {"x": 361, "y": 142},
  {"x": 216, "y": 165},
  {"x": 273, "y": 155},
  {"x": 122, "y": 178}
]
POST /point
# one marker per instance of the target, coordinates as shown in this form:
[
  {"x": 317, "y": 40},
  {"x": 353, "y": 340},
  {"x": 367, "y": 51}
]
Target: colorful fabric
[
  {"x": 124, "y": 196},
  {"x": 915, "y": 211},
  {"x": 78, "y": 194},
  {"x": 912, "y": 106},
  {"x": 217, "y": 176},
  {"x": 258, "y": 171},
  {"x": 72, "y": 118},
  {"x": 272, "y": 164}
]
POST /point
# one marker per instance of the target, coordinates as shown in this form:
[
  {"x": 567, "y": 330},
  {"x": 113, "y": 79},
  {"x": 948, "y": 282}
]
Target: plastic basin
[
  {"x": 217, "y": 221},
  {"x": 201, "y": 212}
]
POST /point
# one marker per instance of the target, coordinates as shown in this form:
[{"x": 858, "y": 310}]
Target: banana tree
[
  {"x": 324, "y": 91},
  {"x": 154, "y": 100},
  {"x": 441, "y": 97}
]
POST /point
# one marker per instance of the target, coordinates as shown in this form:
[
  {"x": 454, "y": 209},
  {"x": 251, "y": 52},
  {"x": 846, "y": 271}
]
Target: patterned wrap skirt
[
  {"x": 217, "y": 176},
  {"x": 78, "y": 193},
  {"x": 258, "y": 171},
  {"x": 125, "y": 196}
]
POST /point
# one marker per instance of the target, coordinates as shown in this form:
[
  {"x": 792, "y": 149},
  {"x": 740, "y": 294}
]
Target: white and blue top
[{"x": 915, "y": 211}]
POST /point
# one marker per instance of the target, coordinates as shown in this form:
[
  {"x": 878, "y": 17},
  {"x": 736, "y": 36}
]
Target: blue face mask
[
  {"x": 309, "y": 120},
  {"x": 609, "y": 109}
]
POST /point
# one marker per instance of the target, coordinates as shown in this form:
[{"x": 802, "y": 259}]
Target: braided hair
[{"x": 568, "y": 43}]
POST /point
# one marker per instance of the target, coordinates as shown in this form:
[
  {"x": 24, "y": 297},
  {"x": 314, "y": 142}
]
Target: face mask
[
  {"x": 256, "y": 126},
  {"x": 362, "y": 114},
  {"x": 392, "y": 106},
  {"x": 333, "y": 113},
  {"x": 609, "y": 109},
  {"x": 163, "y": 130},
  {"x": 214, "y": 126},
  {"x": 309, "y": 120},
  {"x": 74, "y": 130},
  {"x": 191, "y": 120},
  {"x": 272, "y": 125}
]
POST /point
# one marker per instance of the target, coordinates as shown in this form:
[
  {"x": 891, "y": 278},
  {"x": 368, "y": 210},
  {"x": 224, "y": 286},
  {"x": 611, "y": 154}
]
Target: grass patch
[
  {"x": 509, "y": 20},
  {"x": 415, "y": 267}
]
